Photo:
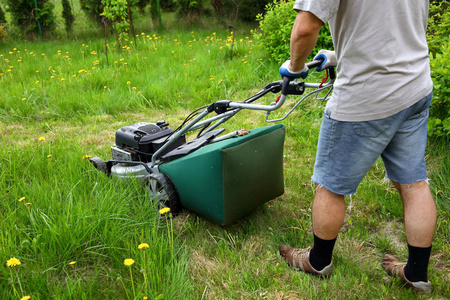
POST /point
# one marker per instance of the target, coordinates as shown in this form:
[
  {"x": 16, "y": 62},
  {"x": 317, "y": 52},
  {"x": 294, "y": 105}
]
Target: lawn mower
[{"x": 222, "y": 177}]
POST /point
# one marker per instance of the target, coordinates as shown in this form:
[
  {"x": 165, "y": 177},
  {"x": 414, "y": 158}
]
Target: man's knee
[{"x": 402, "y": 187}]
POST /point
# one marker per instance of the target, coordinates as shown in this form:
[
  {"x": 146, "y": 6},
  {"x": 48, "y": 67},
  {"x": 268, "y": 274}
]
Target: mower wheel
[
  {"x": 99, "y": 164},
  {"x": 163, "y": 191}
]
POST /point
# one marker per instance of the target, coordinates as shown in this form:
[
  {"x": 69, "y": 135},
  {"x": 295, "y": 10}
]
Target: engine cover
[{"x": 145, "y": 139}]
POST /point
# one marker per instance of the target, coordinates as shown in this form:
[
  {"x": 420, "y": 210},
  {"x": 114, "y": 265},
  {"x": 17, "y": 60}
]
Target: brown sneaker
[
  {"x": 396, "y": 268},
  {"x": 299, "y": 260}
]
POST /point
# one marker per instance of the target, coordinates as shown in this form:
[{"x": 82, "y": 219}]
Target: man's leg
[
  {"x": 328, "y": 213},
  {"x": 419, "y": 213},
  {"x": 420, "y": 220}
]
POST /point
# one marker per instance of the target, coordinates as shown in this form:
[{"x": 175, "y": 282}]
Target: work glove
[
  {"x": 284, "y": 71},
  {"x": 329, "y": 59}
]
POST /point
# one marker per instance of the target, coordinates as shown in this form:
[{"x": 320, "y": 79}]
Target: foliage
[
  {"x": 439, "y": 121},
  {"x": 3, "y": 33},
  {"x": 2, "y": 16},
  {"x": 33, "y": 16},
  {"x": 245, "y": 10},
  {"x": 93, "y": 9},
  {"x": 189, "y": 8},
  {"x": 141, "y": 5},
  {"x": 168, "y": 5},
  {"x": 275, "y": 27},
  {"x": 117, "y": 12},
  {"x": 67, "y": 15},
  {"x": 438, "y": 31}
]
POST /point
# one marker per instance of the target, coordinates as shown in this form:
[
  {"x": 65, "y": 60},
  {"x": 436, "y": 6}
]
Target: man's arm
[{"x": 303, "y": 38}]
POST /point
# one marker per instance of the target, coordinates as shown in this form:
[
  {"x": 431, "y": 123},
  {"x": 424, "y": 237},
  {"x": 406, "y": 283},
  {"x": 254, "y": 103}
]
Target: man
[{"x": 379, "y": 107}]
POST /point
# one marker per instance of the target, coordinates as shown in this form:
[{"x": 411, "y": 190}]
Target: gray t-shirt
[{"x": 382, "y": 53}]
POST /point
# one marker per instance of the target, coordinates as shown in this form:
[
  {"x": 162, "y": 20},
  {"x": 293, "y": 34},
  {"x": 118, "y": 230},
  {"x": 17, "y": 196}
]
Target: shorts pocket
[{"x": 371, "y": 128}]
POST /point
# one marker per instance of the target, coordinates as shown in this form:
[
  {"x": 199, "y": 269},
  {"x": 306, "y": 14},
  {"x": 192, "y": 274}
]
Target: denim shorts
[{"x": 347, "y": 150}]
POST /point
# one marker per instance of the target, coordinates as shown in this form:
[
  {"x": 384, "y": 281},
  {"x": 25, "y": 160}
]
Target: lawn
[{"x": 74, "y": 230}]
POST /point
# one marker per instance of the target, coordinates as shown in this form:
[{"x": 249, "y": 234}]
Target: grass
[{"x": 72, "y": 213}]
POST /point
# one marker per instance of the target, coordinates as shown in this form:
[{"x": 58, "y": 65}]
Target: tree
[{"x": 67, "y": 15}]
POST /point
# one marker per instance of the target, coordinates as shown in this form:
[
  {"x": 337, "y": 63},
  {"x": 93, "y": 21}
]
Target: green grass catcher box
[{"x": 227, "y": 180}]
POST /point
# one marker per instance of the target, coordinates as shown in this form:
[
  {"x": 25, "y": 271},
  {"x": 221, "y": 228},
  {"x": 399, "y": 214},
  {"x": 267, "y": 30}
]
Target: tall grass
[
  {"x": 55, "y": 210},
  {"x": 54, "y": 80},
  {"x": 75, "y": 227}
]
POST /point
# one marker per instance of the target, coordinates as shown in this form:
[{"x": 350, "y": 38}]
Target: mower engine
[{"x": 139, "y": 141}]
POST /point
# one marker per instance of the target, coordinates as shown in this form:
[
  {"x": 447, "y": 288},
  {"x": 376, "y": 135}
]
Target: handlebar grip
[{"x": 315, "y": 63}]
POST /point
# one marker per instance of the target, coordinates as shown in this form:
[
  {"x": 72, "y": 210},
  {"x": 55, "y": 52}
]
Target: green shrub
[
  {"x": 168, "y": 5},
  {"x": 274, "y": 31},
  {"x": 32, "y": 17},
  {"x": 439, "y": 121},
  {"x": 117, "y": 12},
  {"x": 188, "y": 8},
  {"x": 245, "y": 10},
  {"x": 142, "y": 4},
  {"x": 3, "y": 33},
  {"x": 438, "y": 31},
  {"x": 2, "y": 16},
  {"x": 92, "y": 9}
]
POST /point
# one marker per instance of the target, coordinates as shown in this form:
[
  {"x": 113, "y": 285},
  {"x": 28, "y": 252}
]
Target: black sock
[
  {"x": 416, "y": 268},
  {"x": 321, "y": 253}
]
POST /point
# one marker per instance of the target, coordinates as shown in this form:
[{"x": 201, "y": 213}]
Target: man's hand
[
  {"x": 329, "y": 59},
  {"x": 285, "y": 71}
]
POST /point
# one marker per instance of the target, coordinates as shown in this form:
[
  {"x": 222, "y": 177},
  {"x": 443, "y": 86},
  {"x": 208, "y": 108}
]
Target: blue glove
[
  {"x": 284, "y": 71},
  {"x": 329, "y": 59}
]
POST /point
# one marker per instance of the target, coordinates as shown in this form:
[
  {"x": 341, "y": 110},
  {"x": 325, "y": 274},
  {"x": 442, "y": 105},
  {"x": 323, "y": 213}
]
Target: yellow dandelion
[
  {"x": 13, "y": 262},
  {"x": 143, "y": 246},
  {"x": 21, "y": 199},
  {"x": 145, "y": 298},
  {"x": 164, "y": 210},
  {"x": 72, "y": 262},
  {"x": 23, "y": 99},
  {"x": 28, "y": 204},
  {"x": 133, "y": 87},
  {"x": 25, "y": 298},
  {"x": 37, "y": 81},
  {"x": 49, "y": 156},
  {"x": 41, "y": 139},
  {"x": 86, "y": 156},
  {"x": 437, "y": 193},
  {"x": 128, "y": 262},
  {"x": 128, "y": 82}
]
